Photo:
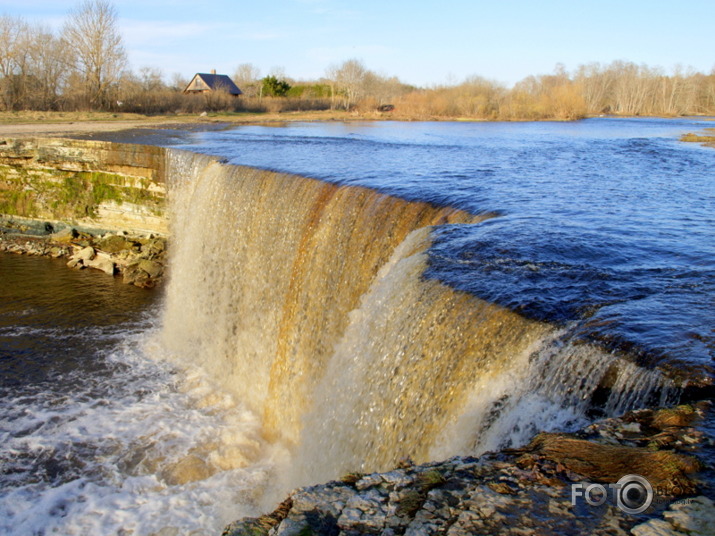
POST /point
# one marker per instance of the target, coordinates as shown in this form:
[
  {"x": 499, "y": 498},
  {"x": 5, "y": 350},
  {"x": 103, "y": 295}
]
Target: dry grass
[
  {"x": 30, "y": 117},
  {"x": 24, "y": 124},
  {"x": 699, "y": 138},
  {"x": 9, "y": 118}
]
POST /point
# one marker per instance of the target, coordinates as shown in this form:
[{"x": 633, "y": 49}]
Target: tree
[
  {"x": 631, "y": 88},
  {"x": 246, "y": 78},
  {"x": 596, "y": 86},
  {"x": 273, "y": 87},
  {"x": 349, "y": 79},
  {"x": 91, "y": 35},
  {"x": 178, "y": 82},
  {"x": 151, "y": 79},
  {"x": 48, "y": 65},
  {"x": 14, "y": 56}
]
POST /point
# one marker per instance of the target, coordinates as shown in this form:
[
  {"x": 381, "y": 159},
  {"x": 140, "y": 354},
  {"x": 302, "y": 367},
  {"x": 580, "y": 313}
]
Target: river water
[
  {"x": 612, "y": 219},
  {"x": 604, "y": 227}
]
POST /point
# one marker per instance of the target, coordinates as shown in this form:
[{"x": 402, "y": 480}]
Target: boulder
[
  {"x": 103, "y": 263},
  {"x": 134, "y": 275},
  {"x": 115, "y": 244},
  {"x": 66, "y": 235},
  {"x": 153, "y": 268},
  {"x": 189, "y": 469},
  {"x": 85, "y": 254}
]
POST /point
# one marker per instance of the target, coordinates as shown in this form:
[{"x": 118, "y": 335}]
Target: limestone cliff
[
  {"x": 89, "y": 184},
  {"x": 101, "y": 205}
]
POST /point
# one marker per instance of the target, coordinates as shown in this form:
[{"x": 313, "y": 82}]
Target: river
[{"x": 113, "y": 421}]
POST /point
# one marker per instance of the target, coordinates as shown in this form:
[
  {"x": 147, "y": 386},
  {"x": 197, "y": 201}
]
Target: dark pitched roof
[{"x": 218, "y": 82}]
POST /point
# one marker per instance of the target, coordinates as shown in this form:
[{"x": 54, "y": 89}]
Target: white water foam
[
  {"x": 549, "y": 388},
  {"x": 146, "y": 450}
]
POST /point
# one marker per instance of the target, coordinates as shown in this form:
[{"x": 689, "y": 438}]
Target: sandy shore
[
  {"x": 48, "y": 124},
  {"x": 34, "y": 129}
]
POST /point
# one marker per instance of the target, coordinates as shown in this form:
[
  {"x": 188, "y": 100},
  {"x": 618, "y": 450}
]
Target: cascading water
[
  {"x": 307, "y": 302},
  {"x": 309, "y": 329}
]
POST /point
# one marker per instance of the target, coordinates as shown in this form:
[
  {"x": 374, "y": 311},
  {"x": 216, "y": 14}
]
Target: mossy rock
[
  {"x": 115, "y": 244},
  {"x": 679, "y": 416}
]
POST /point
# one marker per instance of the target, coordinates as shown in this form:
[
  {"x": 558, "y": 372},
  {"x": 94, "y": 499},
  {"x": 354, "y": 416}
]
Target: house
[{"x": 207, "y": 83}]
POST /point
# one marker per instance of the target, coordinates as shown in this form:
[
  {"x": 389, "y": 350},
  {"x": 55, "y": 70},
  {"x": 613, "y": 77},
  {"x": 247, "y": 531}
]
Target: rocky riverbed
[
  {"x": 138, "y": 260},
  {"x": 539, "y": 489}
]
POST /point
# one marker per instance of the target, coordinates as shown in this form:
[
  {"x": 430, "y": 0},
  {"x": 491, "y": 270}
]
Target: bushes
[{"x": 169, "y": 101}]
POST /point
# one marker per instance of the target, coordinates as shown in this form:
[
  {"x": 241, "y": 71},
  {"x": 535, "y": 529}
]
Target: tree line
[{"x": 84, "y": 67}]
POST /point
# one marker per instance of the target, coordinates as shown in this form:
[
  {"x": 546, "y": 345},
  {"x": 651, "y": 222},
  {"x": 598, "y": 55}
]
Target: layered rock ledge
[
  {"x": 139, "y": 260},
  {"x": 538, "y": 489},
  {"x": 100, "y": 205}
]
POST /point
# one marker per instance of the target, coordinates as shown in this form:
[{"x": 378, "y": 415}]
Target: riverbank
[
  {"x": 70, "y": 124},
  {"x": 138, "y": 260},
  {"x": 542, "y": 488},
  {"x": 97, "y": 204},
  {"x": 48, "y": 124}
]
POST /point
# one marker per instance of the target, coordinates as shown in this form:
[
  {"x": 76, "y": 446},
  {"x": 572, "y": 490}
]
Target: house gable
[
  {"x": 197, "y": 84},
  {"x": 202, "y": 82}
]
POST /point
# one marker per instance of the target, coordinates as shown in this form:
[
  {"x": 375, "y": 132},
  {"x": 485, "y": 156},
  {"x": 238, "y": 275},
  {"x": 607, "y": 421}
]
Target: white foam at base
[{"x": 161, "y": 452}]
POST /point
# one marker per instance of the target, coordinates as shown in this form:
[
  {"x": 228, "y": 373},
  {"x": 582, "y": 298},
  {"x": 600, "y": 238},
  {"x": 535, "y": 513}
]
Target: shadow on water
[{"x": 54, "y": 320}]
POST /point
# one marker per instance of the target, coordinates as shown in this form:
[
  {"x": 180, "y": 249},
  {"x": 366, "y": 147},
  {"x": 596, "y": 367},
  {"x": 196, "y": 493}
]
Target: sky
[{"x": 424, "y": 43}]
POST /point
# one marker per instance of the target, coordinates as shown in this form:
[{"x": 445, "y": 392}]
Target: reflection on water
[{"x": 54, "y": 320}]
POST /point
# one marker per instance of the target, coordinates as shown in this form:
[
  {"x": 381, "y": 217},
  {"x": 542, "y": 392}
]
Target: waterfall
[{"x": 307, "y": 301}]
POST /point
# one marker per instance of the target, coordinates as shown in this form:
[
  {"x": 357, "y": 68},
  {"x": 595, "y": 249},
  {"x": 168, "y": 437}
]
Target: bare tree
[
  {"x": 14, "y": 57},
  {"x": 48, "y": 65},
  {"x": 349, "y": 79},
  {"x": 91, "y": 34},
  {"x": 631, "y": 88},
  {"x": 151, "y": 79},
  {"x": 247, "y": 78},
  {"x": 178, "y": 82},
  {"x": 596, "y": 86}
]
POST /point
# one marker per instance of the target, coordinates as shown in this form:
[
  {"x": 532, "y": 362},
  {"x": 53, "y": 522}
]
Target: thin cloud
[{"x": 159, "y": 33}]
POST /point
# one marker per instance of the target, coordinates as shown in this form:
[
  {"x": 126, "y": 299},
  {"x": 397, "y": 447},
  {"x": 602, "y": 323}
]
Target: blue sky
[{"x": 422, "y": 42}]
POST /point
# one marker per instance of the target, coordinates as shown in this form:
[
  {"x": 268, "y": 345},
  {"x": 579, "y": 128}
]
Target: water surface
[
  {"x": 605, "y": 223},
  {"x": 95, "y": 424}
]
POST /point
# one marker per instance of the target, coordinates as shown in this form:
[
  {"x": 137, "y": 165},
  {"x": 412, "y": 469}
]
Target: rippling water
[
  {"x": 609, "y": 223},
  {"x": 96, "y": 428}
]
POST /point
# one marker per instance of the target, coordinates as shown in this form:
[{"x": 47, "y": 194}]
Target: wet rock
[
  {"x": 695, "y": 517},
  {"x": 366, "y": 512},
  {"x": 85, "y": 254},
  {"x": 608, "y": 463},
  {"x": 75, "y": 263},
  {"x": 679, "y": 416},
  {"x": 134, "y": 275},
  {"x": 103, "y": 263},
  {"x": 525, "y": 491},
  {"x": 57, "y": 252},
  {"x": 189, "y": 469},
  {"x": 154, "y": 248},
  {"x": 153, "y": 268},
  {"x": 140, "y": 261},
  {"x": 65, "y": 235},
  {"x": 115, "y": 243},
  {"x": 259, "y": 526}
]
